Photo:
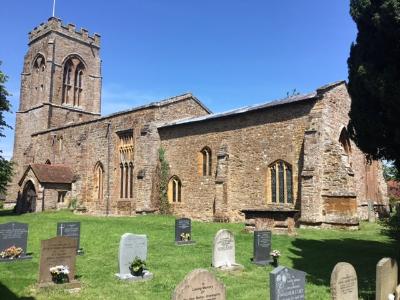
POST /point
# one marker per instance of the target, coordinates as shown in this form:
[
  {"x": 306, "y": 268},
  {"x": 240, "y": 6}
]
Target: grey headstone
[
  {"x": 224, "y": 250},
  {"x": 70, "y": 229},
  {"x": 287, "y": 284},
  {"x": 344, "y": 282},
  {"x": 14, "y": 234},
  {"x": 262, "y": 247},
  {"x": 131, "y": 246},
  {"x": 386, "y": 278},
  {"x": 200, "y": 284}
]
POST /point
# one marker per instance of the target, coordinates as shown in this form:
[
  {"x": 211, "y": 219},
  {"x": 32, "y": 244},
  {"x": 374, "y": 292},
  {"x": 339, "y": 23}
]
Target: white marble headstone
[
  {"x": 224, "y": 249},
  {"x": 131, "y": 246}
]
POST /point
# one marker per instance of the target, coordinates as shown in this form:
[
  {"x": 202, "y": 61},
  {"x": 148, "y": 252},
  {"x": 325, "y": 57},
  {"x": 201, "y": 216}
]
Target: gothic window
[
  {"x": 281, "y": 182},
  {"x": 73, "y": 81},
  {"x": 38, "y": 77},
  {"x": 125, "y": 149},
  {"x": 48, "y": 162},
  {"x": 205, "y": 161},
  {"x": 130, "y": 180},
  {"x": 174, "y": 189},
  {"x": 98, "y": 181},
  {"x": 78, "y": 88}
]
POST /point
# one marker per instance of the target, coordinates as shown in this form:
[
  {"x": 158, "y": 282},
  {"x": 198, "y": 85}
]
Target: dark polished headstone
[
  {"x": 71, "y": 229},
  {"x": 287, "y": 284},
  {"x": 183, "y": 226},
  {"x": 14, "y": 234},
  {"x": 262, "y": 247}
]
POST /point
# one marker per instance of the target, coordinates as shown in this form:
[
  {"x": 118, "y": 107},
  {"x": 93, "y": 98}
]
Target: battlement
[{"x": 55, "y": 24}]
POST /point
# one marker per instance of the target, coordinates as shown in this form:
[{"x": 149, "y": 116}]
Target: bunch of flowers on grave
[
  {"x": 59, "y": 274},
  {"x": 11, "y": 252},
  {"x": 185, "y": 236},
  {"x": 137, "y": 267},
  {"x": 275, "y": 254}
]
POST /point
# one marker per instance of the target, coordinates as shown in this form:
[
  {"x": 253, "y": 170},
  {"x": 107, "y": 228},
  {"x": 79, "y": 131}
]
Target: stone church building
[{"x": 282, "y": 162}]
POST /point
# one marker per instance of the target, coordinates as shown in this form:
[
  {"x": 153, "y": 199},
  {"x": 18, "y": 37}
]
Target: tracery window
[
  {"x": 174, "y": 190},
  {"x": 98, "y": 180},
  {"x": 281, "y": 182},
  {"x": 206, "y": 161},
  {"x": 73, "y": 80},
  {"x": 126, "y": 154}
]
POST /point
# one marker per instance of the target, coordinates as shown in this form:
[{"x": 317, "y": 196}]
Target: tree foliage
[
  {"x": 5, "y": 165},
  {"x": 374, "y": 78},
  {"x": 165, "y": 208}
]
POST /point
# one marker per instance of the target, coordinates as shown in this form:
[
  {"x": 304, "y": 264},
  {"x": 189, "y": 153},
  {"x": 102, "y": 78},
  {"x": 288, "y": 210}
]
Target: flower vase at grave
[{"x": 275, "y": 262}]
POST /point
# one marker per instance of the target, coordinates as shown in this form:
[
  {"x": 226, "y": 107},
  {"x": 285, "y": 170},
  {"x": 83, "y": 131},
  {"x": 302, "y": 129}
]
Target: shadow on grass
[
  {"x": 318, "y": 257},
  {"x": 5, "y": 293},
  {"x": 7, "y": 212}
]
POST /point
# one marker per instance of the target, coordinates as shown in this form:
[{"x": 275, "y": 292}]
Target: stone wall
[
  {"x": 81, "y": 146},
  {"x": 242, "y": 147}
]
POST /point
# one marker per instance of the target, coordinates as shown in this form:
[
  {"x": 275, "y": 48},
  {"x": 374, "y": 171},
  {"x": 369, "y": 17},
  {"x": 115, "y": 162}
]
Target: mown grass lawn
[{"x": 313, "y": 251}]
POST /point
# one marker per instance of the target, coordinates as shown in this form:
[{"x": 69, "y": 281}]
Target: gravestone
[
  {"x": 287, "y": 284},
  {"x": 183, "y": 232},
  {"x": 386, "y": 278},
  {"x": 200, "y": 284},
  {"x": 344, "y": 282},
  {"x": 73, "y": 230},
  {"x": 130, "y": 247},
  {"x": 224, "y": 251},
  {"x": 262, "y": 247},
  {"x": 60, "y": 250},
  {"x": 14, "y": 234}
]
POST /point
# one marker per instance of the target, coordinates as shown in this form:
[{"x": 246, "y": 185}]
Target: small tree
[
  {"x": 5, "y": 165},
  {"x": 165, "y": 207}
]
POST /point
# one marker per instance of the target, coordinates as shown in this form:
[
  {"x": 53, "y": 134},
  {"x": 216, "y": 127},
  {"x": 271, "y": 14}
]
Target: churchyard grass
[{"x": 313, "y": 251}]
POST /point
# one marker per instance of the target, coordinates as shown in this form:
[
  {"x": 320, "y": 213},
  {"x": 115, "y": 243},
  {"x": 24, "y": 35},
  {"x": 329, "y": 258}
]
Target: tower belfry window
[{"x": 73, "y": 82}]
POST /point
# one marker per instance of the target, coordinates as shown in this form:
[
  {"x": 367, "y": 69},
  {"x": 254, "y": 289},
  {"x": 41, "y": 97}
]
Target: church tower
[{"x": 60, "y": 85}]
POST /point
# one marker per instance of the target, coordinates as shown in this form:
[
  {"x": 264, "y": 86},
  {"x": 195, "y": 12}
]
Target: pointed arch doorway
[{"x": 28, "y": 199}]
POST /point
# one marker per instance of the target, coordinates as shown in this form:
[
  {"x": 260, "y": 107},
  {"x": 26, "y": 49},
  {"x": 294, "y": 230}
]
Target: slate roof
[
  {"x": 51, "y": 173},
  {"x": 160, "y": 103},
  {"x": 274, "y": 103}
]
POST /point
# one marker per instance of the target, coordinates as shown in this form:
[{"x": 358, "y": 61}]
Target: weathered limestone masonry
[
  {"x": 308, "y": 133},
  {"x": 273, "y": 165}
]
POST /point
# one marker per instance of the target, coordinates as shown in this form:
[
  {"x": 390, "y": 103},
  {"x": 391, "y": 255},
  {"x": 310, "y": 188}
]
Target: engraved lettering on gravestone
[
  {"x": 225, "y": 244},
  {"x": 287, "y": 284},
  {"x": 56, "y": 251},
  {"x": 70, "y": 229},
  {"x": 183, "y": 231},
  {"x": 262, "y": 247},
  {"x": 344, "y": 282},
  {"x": 14, "y": 234},
  {"x": 199, "y": 284}
]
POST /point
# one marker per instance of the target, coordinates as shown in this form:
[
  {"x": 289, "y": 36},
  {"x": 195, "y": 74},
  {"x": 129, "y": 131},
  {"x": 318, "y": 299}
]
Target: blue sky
[{"x": 227, "y": 53}]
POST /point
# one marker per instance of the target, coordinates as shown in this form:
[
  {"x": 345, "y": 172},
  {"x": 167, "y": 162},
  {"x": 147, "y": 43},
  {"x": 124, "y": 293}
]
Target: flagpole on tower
[{"x": 54, "y": 7}]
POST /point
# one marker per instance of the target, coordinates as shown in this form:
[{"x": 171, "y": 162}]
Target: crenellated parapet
[{"x": 55, "y": 25}]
